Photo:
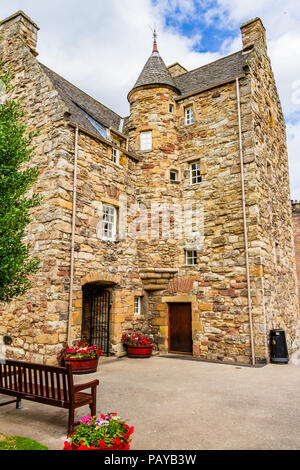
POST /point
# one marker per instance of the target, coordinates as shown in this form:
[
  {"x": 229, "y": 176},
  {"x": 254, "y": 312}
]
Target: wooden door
[{"x": 180, "y": 328}]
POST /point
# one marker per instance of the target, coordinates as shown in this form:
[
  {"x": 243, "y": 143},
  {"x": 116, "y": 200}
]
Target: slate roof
[
  {"x": 84, "y": 109},
  {"x": 80, "y": 103},
  {"x": 211, "y": 74},
  {"x": 155, "y": 72}
]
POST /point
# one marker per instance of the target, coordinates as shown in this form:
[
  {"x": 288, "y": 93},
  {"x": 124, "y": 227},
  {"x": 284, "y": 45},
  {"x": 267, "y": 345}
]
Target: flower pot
[
  {"x": 139, "y": 351},
  {"x": 121, "y": 446},
  {"x": 85, "y": 366}
]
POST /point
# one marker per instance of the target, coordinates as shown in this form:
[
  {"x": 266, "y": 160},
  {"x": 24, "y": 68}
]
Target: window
[
  {"x": 190, "y": 258},
  {"x": 146, "y": 140},
  {"x": 195, "y": 175},
  {"x": 138, "y": 205},
  {"x": 115, "y": 156},
  {"x": 189, "y": 115},
  {"x": 173, "y": 175},
  {"x": 109, "y": 223},
  {"x": 171, "y": 108},
  {"x": 137, "y": 306}
]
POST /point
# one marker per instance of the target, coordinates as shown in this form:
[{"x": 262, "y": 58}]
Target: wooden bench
[{"x": 51, "y": 385}]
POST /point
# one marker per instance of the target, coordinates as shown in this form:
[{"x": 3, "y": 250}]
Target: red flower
[{"x": 67, "y": 446}]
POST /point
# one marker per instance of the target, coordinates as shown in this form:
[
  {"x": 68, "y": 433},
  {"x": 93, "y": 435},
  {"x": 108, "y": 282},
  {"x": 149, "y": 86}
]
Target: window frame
[
  {"x": 176, "y": 173},
  {"x": 115, "y": 155},
  {"x": 143, "y": 146},
  {"x": 197, "y": 176},
  {"x": 193, "y": 258},
  {"x": 137, "y": 305},
  {"x": 189, "y": 119},
  {"x": 112, "y": 212}
]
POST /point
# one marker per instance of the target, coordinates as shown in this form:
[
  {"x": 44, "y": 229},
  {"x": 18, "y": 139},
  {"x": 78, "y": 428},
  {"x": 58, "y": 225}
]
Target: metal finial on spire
[{"x": 155, "y": 41}]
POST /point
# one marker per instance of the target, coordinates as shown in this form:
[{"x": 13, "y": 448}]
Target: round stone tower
[{"x": 152, "y": 129}]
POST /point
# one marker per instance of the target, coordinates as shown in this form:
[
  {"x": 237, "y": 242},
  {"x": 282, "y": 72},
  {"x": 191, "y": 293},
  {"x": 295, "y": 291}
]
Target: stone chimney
[
  {"x": 254, "y": 34},
  {"x": 21, "y": 25},
  {"x": 176, "y": 69}
]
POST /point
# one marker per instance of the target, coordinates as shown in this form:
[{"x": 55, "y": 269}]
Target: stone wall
[
  {"x": 149, "y": 260},
  {"x": 36, "y": 322},
  {"x": 296, "y": 226},
  {"x": 218, "y": 284},
  {"x": 274, "y": 245}
]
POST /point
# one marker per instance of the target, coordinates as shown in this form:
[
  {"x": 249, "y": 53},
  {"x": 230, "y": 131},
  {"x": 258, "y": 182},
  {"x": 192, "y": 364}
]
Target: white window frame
[
  {"x": 109, "y": 222},
  {"x": 195, "y": 174},
  {"x": 146, "y": 140},
  {"x": 115, "y": 155},
  {"x": 189, "y": 115},
  {"x": 137, "y": 306},
  {"x": 191, "y": 257}
]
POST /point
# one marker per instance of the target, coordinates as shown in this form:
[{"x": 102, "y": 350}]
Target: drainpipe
[
  {"x": 245, "y": 223},
  {"x": 73, "y": 237}
]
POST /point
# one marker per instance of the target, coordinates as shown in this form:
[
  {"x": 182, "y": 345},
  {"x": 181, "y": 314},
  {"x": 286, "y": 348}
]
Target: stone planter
[
  {"x": 87, "y": 366},
  {"x": 139, "y": 351}
]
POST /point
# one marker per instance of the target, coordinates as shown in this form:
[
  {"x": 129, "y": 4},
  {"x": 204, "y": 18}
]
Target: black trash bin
[{"x": 278, "y": 347}]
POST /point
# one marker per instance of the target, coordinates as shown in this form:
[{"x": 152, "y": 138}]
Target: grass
[{"x": 19, "y": 443}]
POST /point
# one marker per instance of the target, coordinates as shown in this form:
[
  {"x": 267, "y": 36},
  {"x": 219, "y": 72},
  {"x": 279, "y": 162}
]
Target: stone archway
[
  {"x": 101, "y": 278},
  {"x": 101, "y": 286}
]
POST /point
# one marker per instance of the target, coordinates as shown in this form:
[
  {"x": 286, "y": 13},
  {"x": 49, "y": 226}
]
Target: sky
[{"x": 102, "y": 45}]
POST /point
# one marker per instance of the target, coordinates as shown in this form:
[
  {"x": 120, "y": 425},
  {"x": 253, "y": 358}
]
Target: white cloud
[{"x": 101, "y": 46}]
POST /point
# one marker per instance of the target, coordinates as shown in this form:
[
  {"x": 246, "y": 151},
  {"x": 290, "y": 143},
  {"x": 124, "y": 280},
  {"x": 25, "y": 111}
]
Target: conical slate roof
[{"x": 155, "y": 72}]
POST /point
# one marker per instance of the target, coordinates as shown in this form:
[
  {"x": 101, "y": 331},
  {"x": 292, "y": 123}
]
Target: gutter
[
  {"x": 245, "y": 222},
  {"x": 73, "y": 237}
]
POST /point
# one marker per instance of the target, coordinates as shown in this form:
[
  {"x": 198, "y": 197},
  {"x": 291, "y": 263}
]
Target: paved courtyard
[{"x": 177, "y": 403}]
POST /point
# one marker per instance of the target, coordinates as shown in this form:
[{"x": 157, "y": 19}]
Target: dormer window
[
  {"x": 189, "y": 115},
  {"x": 146, "y": 140}
]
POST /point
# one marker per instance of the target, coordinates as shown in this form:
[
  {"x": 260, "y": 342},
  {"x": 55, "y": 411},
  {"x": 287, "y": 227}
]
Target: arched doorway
[{"x": 96, "y": 305}]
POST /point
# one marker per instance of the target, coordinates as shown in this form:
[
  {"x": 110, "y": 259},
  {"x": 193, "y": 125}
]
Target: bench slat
[
  {"x": 58, "y": 386},
  {"x": 52, "y": 385}
]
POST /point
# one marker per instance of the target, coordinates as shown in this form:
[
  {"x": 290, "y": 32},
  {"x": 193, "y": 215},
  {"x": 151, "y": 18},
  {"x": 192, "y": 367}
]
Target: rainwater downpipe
[
  {"x": 73, "y": 238},
  {"x": 245, "y": 223}
]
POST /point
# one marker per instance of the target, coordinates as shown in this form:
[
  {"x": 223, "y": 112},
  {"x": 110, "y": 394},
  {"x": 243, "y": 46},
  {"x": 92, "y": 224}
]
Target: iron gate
[{"x": 96, "y": 316}]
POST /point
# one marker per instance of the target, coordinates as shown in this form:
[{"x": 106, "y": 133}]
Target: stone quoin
[{"x": 120, "y": 249}]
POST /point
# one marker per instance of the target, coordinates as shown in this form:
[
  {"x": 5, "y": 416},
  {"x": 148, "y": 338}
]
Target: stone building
[
  {"x": 174, "y": 221},
  {"x": 296, "y": 225}
]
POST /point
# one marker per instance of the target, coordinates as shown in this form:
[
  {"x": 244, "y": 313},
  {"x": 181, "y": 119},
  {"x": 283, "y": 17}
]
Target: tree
[{"x": 16, "y": 178}]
